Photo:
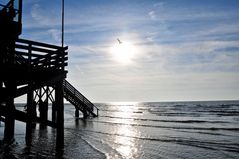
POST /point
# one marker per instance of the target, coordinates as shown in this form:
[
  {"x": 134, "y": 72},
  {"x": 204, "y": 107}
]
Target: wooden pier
[{"x": 37, "y": 70}]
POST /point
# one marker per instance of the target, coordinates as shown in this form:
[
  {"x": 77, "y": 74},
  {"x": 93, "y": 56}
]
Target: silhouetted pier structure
[{"x": 37, "y": 70}]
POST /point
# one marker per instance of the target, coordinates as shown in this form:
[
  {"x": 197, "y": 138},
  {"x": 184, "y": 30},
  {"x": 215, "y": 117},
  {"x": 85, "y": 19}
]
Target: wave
[
  {"x": 169, "y": 127},
  {"x": 76, "y": 134},
  {"x": 214, "y": 145},
  {"x": 189, "y": 113},
  {"x": 94, "y": 147},
  {"x": 195, "y": 113},
  {"x": 161, "y": 120},
  {"x": 131, "y": 111},
  {"x": 207, "y": 133}
]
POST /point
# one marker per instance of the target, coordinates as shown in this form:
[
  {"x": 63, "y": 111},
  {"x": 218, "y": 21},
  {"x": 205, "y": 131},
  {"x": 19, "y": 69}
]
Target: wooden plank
[
  {"x": 40, "y": 44},
  {"x": 42, "y": 57},
  {"x": 40, "y": 49},
  {"x": 55, "y": 61},
  {"x": 27, "y": 54},
  {"x": 50, "y": 64},
  {"x": 22, "y": 116},
  {"x": 37, "y": 49}
]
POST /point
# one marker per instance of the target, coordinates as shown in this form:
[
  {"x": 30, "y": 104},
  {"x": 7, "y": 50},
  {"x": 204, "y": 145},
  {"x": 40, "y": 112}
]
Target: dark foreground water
[{"x": 139, "y": 130}]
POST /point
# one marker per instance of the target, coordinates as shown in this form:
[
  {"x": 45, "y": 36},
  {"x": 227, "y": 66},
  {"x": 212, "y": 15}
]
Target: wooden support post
[
  {"x": 60, "y": 114},
  {"x": 34, "y": 112},
  {"x": 77, "y": 113},
  {"x": 46, "y": 102},
  {"x": 43, "y": 109},
  {"x": 9, "y": 121},
  {"x": 30, "y": 116},
  {"x": 85, "y": 114},
  {"x": 10, "y": 114},
  {"x": 53, "y": 111}
]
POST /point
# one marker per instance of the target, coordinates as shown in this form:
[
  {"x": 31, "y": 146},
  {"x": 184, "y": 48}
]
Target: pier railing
[
  {"x": 78, "y": 99},
  {"x": 40, "y": 55}
]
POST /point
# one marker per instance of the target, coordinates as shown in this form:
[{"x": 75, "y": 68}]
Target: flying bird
[{"x": 120, "y": 42}]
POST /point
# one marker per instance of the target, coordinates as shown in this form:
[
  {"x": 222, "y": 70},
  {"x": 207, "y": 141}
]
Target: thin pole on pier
[{"x": 62, "y": 25}]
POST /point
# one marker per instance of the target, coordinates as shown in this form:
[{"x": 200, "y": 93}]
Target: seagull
[{"x": 120, "y": 42}]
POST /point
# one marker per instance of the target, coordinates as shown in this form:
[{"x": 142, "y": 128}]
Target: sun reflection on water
[{"x": 126, "y": 144}]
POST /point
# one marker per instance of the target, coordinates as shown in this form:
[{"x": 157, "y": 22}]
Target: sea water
[{"x": 138, "y": 130}]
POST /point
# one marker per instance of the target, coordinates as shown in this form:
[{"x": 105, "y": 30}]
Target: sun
[{"x": 123, "y": 52}]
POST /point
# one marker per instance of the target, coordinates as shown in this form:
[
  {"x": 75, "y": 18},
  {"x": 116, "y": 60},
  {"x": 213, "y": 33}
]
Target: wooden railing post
[
  {"x": 61, "y": 58},
  {"x": 29, "y": 55}
]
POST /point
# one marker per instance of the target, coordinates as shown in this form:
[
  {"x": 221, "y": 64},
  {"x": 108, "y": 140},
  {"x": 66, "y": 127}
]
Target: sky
[{"x": 168, "y": 50}]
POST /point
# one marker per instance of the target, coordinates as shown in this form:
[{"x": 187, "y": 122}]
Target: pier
[{"x": 37, "y": 70}]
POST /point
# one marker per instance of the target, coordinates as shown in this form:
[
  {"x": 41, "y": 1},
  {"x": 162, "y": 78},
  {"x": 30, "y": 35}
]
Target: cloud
[
  {"x": 42, "y": 25},
  {"x": 157, "y": 8},
  {"x": 38, "y": 15},
  {"x": 188, "y": 57},
  {"x": 56, "y": 35},
  {"x": 46, "y": 15},
  {"x": 152, "y": 15}
]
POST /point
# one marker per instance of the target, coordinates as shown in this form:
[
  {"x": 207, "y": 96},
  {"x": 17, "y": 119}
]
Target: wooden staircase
[{"x": 78, "y": 100}]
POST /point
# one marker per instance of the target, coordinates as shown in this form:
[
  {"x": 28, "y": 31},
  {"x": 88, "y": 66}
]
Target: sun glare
[{"x": 123, "y": 52}]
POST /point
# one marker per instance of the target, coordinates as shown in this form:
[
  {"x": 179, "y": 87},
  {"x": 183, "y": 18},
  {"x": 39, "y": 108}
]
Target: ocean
[{"x": 151, "y": 130}]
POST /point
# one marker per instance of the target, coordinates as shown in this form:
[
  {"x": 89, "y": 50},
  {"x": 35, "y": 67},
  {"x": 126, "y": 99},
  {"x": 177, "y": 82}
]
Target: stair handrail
[{"x": 80, "y": 96}]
